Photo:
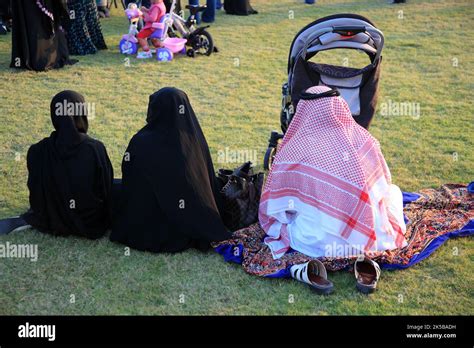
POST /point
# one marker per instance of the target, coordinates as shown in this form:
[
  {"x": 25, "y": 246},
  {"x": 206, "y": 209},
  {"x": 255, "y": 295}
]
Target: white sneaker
[{"x": 144, "y": 55}]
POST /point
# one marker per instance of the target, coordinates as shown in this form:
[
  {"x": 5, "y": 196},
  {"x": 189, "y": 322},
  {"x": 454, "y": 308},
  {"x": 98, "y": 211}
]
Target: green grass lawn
[{"x": 428, "y": 60}]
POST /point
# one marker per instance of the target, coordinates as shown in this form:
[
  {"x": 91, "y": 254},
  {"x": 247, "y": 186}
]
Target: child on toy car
[{"x": 152, "y": 18}]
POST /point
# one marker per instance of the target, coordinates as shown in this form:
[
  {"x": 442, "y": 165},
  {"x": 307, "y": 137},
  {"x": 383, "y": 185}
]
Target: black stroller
[{"x": 358, "y": 87}]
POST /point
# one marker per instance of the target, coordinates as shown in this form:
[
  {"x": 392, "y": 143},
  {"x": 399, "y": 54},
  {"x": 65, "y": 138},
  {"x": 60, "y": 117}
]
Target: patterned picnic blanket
[{"x": 434, "y": 216}]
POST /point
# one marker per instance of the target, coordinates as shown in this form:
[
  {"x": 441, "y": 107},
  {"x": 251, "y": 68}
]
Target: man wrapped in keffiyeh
[{"x": 329, "y": 192}]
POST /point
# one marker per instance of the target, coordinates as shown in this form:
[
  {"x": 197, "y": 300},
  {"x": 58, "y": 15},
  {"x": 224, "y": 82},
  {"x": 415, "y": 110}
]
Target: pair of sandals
[{"x": 313, "y": 273}]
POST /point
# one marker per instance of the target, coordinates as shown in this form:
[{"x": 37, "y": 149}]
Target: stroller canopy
[
  {"x": 337, "y": 31},
  {"x": 358, "y": 87}
]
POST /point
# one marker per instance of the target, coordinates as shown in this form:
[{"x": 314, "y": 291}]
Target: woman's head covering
[
  {"x": 171, "y": 115},
  {"x": 69, "y": 118},
  {"x": 165, "y": 105},
  {"x": 329, "y": 166},
  {"x": 170, "y": 198}
]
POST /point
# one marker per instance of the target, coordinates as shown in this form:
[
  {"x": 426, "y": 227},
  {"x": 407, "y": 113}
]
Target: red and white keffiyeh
[{"x": 329, "y": 191}]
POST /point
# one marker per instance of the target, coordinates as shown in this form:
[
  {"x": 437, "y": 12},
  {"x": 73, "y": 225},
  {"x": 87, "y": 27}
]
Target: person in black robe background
[
  {"x": 238, "y": 7},
  {"x": 69, "y": 175},
  {"x": 5, "y": 16},
  {"x": 38, "y": 40},
  {"x": 169, "y": 192},
  {"x": 83, "y": 30}
]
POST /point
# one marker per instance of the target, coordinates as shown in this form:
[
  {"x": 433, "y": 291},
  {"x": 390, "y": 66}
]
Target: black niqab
[
  {"x": 169, "y": 190},
  {"x": 69, "y": 175}
]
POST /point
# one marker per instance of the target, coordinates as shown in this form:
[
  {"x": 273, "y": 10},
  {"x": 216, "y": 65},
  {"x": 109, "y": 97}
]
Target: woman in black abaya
[
  {"x": 168, "y": 190},
  {"x": 38, "y": 40},
  {"x": 69, "y": 175},
  {"x": 5, "y": 16},
  {"x": 238, "y": 7}
]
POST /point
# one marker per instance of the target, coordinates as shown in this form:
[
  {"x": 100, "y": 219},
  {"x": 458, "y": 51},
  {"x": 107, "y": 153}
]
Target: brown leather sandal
[{"x": 367, "y": 273}]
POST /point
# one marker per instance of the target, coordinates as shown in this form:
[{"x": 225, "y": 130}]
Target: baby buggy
[{"x": 358, "y": 87}]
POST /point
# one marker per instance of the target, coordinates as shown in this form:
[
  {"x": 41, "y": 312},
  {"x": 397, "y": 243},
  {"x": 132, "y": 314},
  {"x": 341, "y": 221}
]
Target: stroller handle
[
  {"x": 348, "y": 30},
  {"x": 372, "y": 31}
]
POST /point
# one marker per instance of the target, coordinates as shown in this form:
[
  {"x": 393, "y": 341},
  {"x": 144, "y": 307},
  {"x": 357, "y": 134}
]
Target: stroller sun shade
[{"x": 357, "y": 86}]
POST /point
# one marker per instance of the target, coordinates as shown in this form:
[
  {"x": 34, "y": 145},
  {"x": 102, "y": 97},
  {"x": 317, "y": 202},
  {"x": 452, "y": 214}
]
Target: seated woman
[
  {"x": 69, "y": 175},
  {"x": 169, "y": 194},
  {"x": 329, "y": 192}
]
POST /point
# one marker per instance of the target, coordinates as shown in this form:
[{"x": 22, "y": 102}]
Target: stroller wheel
[
  {"x": 268, "y": 159},
  {"x": 191, "y": 53}
]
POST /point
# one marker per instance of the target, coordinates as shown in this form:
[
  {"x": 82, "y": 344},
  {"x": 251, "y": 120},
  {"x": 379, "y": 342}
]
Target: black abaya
[
  {"x": 38, "y": 42},
  {"x": 69, "y": 176},
  {"x": 5, "y": 10},
  {"x": 168, "y": 188},
  {"x": 5, "y": 17},
  {"x": 238, "y": 7}
]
